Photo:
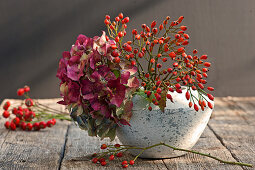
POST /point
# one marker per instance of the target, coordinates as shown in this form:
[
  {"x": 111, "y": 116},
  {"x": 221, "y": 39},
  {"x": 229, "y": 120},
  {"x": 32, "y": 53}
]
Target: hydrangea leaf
[{"x": 111, "y": 133}]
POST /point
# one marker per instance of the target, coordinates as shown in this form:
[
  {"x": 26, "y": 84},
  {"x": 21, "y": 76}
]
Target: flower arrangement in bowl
[{"x": 111, "y": 85}]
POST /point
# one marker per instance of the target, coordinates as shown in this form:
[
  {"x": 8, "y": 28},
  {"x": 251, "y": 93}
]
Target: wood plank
[
  {"x": 244, "y": 106},
  {"x": 80, "y": 146},
  {"x": 208, "y": 143},
  {"x": 36, "y": 149},
  {"x": 234, "y": 132}
]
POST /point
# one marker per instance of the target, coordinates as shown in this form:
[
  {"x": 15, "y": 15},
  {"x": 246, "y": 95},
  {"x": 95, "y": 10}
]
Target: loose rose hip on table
[
  {"x": 113, "y": 86},
  {"x": 30, "y": 115}
]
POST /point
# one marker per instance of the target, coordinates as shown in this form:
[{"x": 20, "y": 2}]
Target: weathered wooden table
[{"x": 229, "y": 135}]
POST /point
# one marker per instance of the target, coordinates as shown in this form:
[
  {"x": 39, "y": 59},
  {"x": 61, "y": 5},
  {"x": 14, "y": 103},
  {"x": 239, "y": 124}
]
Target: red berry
[
  {"x": 126, "y": 20},
  {"x": 117, "y": 145},
  {"x": 178, "y": 79},
  {"x": 101, "y": 160},
  {"x": 15, "y": 110},
  {"x": 159, "y": 90},
  {"x": 42, "y": 125},
  {"x": 13, "y": 126},
  {"x": 210, "y": 88},
  {"x": 169, "y": 97},
  {"x": 29, "y": 126},
  {"x": 20, "y": 92},
  {"x": 207, "y": 64},
  {"x": 134, "y": 31},
  {"x": 7, "y": 124},
  {"x": 23, "y": 126},
  {"x": 147, "y": 75},
  {"x": 190, "y": 104},
  {"x": 124, "y": 163},
  {"x": 54, "y": 121},
  {"x": 175, "y": 64},
  {"x": 210, "y": 105},
  {"x": 103, "y": 163},
  {"x": 164, "y": 59},
  {"x": 159, "y": 65},
  {"x": 103, "y": 146},
  {"x": 49, "y": 123},
  {"x": 121, "y": 15},
  {"x": 106, "y": 22},
  {"x": 120, "y": 34},
  {"x": 133, "y": 63},
  {"x": 29, "y": 102},
  {"x": 153, "y": 24},
  {"x": 117, "y": 39},
  {"x": 119, "y": 154},
  {"x": 172, "y": 55},
  {"x": 177, "y": 36},
  {"x": 183, "y": 28},
  {"x": 111, "y": 157},
  {"x": 117, "y": 19},
  {"x": 117, "y": 60},
  {"x": 141, "y": 54},
  {"x": 36, "y": 126},
  {"x": 210, "y": 96},
  {"x": 6, "y": 114},
  {"x": 152, "y": 60},
  {"x": 143, "y": 84},
  {"x": 205, "y": 75},
  {"x": 186, "y": 36},
  {"x": 150, "y": 108},
  {"x": 26, "y": 88},
  {"x": 203, "y": 57},
  {"x": 196, "y": 107},
  {"x": 186, "y": 42},
  {"x": 187, "y": 95},
  {"x": 94, "y": 160},
  {"x": 16, "y": 120},
  {"x": 178, "y": 86},
  {"x": 125, "y": 166},
  {"x": 6, "y": 105},
  {"x": 193, "y": 87},
  {"x": 131, "y": 162},
  {"x": 179, "y": 90},
  {"x": 181, "y": 49},
  {"x": 200, "y": 85},
  {"x": 180, "y": 19},
  {"x": 160, "y": 27}
]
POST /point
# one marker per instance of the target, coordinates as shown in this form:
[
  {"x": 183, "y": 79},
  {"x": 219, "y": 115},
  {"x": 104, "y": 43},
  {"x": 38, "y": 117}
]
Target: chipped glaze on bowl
[{"x": 179, "y": 126}]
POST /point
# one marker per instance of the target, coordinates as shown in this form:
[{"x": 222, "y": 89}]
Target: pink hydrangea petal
[
  {"x": 124, "y": 77},
  {"x": 133, "y": 82}
]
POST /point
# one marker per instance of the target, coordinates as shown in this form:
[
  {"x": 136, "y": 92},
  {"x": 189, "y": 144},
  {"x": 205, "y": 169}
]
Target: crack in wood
[
  {"x": 62, "y": 154},
  {"x": 222, "y": 142}
]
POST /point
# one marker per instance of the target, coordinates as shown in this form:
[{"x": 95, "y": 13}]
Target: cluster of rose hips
[
  {"x": 168, "y": 67},
  {"x": 113, "y": 150},
  {"x": 23, "y": 117}
]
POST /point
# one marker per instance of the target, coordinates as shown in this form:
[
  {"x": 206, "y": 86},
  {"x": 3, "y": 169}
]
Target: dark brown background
[{"x": 33, "y": 35}]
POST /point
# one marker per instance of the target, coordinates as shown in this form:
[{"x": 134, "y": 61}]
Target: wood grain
[
  {"x": 80, "y": 146},
  {"x": 233, "y": 131},
  {"x": 230, "y": 135},
  {"x": 208, "y": 143},
  {"x": 36, "y": 149}
]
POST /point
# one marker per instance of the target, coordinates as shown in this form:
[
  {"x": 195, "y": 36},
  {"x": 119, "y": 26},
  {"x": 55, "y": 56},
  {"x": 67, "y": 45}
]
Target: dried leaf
[{"x": 162, "y": 101}]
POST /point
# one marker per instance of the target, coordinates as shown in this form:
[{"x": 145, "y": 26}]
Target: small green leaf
[{"x": 116, "y": 73}]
